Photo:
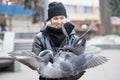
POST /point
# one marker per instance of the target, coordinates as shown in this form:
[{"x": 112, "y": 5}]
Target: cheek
[
  {"x": 53, "y": 21},
  {"x": 54, "y": 24},
  {"x": 58, "y": 23}
]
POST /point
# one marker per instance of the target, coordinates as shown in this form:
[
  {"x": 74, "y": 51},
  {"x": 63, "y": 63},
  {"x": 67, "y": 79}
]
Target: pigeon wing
[
  {"x": 86, "y": 61},
  {"x": 27, "y": 58},
  {"x": 93, "y": 60}
]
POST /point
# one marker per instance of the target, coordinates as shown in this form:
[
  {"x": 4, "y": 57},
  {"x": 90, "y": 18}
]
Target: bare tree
[{"x": 106, "y": 26}]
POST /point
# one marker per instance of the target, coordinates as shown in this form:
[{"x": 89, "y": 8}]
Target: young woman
[{"x": 52, "y": 36}]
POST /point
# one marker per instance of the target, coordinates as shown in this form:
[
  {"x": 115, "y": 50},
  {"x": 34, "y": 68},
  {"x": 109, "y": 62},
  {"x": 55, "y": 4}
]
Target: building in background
[
  {"x": 18, "y": 18},
  {"x": 10, "y": 2},
  {"x": 83, "y": 13}
]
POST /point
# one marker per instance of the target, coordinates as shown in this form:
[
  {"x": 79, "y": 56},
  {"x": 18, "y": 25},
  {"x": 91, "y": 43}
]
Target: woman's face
[{"x": 58, "y": 21}]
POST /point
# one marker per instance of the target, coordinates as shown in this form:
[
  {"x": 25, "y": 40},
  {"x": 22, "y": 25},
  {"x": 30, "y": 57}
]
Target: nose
[{"x": 59, "y": 21}]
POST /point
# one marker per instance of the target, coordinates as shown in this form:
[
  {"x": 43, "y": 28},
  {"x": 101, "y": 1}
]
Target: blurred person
[
  {"x": 51, "y": 37},
  {"x": 3, "y": 25}
]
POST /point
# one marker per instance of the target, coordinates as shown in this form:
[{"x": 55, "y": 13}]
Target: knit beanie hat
[{"x": 56, "y": 9}]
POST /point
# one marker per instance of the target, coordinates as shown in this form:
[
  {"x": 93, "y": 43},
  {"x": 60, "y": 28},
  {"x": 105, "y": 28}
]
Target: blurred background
[
  {"x": 28, "y": 15},
  {"x": 20, "y": 20}
]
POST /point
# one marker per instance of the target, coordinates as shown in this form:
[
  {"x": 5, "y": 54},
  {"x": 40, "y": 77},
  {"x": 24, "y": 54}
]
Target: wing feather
[{"x": 95, "y": 60}]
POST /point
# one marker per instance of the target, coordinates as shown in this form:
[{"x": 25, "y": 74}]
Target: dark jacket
[{"x": 43, "y": 41}]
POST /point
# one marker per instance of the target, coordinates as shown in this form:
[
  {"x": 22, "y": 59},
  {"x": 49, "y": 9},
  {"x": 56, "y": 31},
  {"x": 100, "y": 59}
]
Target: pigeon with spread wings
[{"x": 64, "y": 63}]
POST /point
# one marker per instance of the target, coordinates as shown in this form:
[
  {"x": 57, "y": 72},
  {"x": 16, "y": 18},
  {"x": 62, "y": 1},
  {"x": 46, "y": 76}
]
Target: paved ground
[
  {"x": 24, "y": 74},
  {"x": 107, "y": 71}
]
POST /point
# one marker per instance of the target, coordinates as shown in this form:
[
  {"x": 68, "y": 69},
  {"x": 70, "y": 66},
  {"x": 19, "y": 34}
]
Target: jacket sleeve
[{"x": 37, "y": 45}]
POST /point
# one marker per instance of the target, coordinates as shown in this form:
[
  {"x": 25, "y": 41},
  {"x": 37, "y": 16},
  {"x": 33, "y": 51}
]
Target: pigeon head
[{"x": 46, "y": 55}]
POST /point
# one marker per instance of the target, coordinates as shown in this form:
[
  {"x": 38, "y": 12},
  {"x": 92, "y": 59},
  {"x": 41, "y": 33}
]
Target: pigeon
[{"x": 64, "y": 63}]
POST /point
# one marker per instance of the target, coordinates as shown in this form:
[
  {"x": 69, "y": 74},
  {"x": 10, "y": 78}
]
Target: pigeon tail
[{"x": 83, "y": 35}]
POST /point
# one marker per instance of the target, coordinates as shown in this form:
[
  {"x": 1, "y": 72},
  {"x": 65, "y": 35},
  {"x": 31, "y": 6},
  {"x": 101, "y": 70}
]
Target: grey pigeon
[{"x": 64, "y": 63}]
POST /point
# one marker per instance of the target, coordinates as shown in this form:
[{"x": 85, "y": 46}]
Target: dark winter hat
[{"x": 56, "y": 9}]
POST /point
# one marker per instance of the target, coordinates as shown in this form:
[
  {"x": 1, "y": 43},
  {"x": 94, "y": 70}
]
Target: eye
[
  {"x": 55, "y": 18},
  {"x": 61, "y": 18}
]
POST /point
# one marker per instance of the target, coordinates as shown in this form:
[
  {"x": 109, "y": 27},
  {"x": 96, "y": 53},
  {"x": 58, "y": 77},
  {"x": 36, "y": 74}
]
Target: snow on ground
[{"x": 107, "y": 39}]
